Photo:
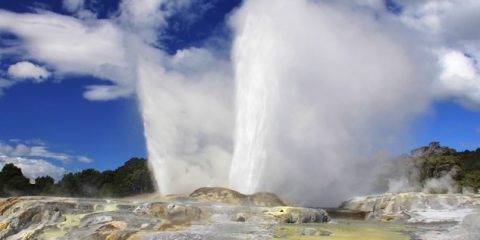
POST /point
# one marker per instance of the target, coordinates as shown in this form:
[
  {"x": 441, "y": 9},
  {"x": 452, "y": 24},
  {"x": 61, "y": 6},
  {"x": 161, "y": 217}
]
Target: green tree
[
  {"x": 13, "y": 181},
  {"x": 108, "y": 186},
  {"x": 44, "y": 185},
  {"x": 90, "y": 181},
  {"x": 133, "y": 178},
  {"x": 68, "y": 186}
]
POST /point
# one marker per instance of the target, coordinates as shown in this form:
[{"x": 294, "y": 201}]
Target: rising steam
[
  {"x": 186, "y": 107},
  {"x": 317, "y": 94}
]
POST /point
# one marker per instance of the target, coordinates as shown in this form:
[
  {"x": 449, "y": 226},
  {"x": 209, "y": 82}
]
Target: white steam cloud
[
  {"x": 316, "y": 98},
  {"x": 186, "y": 106}
]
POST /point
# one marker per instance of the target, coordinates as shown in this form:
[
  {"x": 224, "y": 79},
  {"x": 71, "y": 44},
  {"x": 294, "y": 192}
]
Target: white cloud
[
  {"x": 33, "y": 168},
  {"x": 22, "y": 149},
  {"x": 28, "y": 70},
  {"x": 84, "y": 159},
  {"x": 106, "y": 92},
  {"x": 73, "y": 46},
  {"x": 146, "y": 17},
  {"x": 459, "y": 79},
  {"x": 451, "y": 29},
  {"x": 73, "y": 5}
]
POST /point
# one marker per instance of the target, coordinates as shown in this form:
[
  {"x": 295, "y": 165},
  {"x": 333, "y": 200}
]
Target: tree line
[{"x": 130, "y": 179}]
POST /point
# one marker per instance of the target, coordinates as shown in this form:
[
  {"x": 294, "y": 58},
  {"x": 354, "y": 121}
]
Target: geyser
[
  {"x": 185, "y": 102},
  {"x": 256, "y": 86},
  {"x": 317, "y": 93}
]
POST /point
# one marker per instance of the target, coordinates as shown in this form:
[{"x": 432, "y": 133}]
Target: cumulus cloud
[
  {"x": 73, "y": 46},
  {"x": 21, "y": 149},
  {"x": 33, "y": 168},
  {"x": 84, "y": 159},
  {"x": 451, "y": 27},
  {"x": 459, "y": 79},
  {"x": 28, "y": 70}
]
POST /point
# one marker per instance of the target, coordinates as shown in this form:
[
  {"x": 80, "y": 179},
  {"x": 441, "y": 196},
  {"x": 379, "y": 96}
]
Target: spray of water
[
  {"x": 256, "y": 98},
  {"x": 317, "y": 93},
  {"x": 319, "y": 88},
  {"x": 186, "y": 106}
]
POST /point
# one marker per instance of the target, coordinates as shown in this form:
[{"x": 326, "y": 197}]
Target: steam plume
[{"x": 317, "y": 92}]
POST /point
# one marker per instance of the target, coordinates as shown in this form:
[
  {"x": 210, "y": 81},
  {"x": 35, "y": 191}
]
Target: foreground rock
[
  {"x": 415, "y": 207},
  {"x": 209, "y": 213}
]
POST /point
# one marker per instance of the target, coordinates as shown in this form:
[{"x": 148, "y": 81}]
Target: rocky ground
[
  {"x": 208, "y": 213},
  {"x": 218, "y": 213},
  {"x": 424, "y": 216}
]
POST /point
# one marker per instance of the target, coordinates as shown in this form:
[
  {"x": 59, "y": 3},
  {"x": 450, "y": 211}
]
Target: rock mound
[
  {"x": 228, "y": 196},
  {"x": 265, "y": 199},
  {"x": 219, "y": 195}
]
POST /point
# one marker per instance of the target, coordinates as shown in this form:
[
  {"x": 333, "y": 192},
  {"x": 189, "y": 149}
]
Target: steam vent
[{"x": 207, "y": 213}]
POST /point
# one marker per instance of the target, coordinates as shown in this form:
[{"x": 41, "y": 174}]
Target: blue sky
[
  {"x": 451, "y": 125},
  {"x": 55, "y": 114}
]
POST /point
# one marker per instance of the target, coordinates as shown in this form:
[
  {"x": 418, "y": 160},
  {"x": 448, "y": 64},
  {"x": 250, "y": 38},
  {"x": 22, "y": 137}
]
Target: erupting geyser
[
  {"x": 255, "y": 103},
  {"x": 317, "y": 94},
  {"x": 186, "y": 118}
]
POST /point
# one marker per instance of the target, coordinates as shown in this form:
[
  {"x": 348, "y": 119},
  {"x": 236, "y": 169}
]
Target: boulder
[
  {"x": 228, "y": 196},
  {"x": 297, "y": 215}
]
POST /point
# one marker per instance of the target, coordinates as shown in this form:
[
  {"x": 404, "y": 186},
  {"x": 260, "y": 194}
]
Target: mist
[
  {"x": 338, "y": 91},
  {"x": 313, "y": 97},
  {"x": 186, "y": 106}
]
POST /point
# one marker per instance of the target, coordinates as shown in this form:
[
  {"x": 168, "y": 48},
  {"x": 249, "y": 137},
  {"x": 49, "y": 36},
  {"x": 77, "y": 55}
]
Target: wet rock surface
[
  {"x": 215, "y": 213},
  {"x": 208, "y": 213},
  {"x": 414, "y": 207}
]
